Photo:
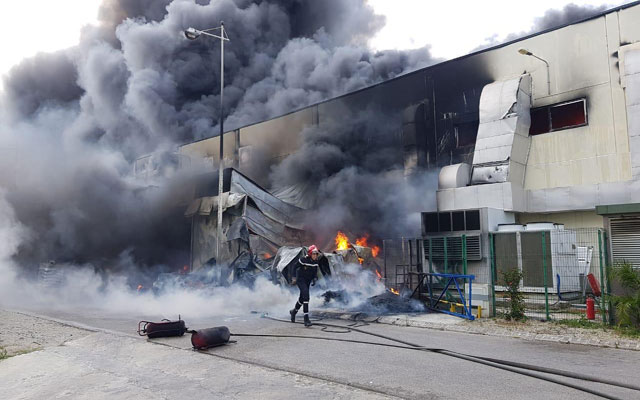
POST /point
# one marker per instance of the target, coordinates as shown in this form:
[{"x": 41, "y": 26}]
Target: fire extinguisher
[{"x": 591, "y": 308}]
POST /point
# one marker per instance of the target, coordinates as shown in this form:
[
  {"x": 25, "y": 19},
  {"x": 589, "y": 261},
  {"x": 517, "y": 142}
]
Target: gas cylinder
[
  {"x": 210, "y": 337},
  {"x": 591, "y": 308}
]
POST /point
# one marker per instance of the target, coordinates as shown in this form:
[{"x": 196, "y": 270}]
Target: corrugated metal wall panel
[{"x": 625, "y": 240}]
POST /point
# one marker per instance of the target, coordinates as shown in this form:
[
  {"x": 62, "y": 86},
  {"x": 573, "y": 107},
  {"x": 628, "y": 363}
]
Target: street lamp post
[
  {"x": 526, "y": 52},
  {"x": 193, "y": 34}
]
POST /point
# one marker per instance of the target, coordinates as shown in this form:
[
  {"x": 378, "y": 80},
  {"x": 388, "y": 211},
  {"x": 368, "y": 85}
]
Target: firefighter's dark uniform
[{"x": 305, "y": 271}]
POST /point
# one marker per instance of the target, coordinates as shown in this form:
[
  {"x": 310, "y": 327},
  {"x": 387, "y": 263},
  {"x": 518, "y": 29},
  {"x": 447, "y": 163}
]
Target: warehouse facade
[{"x": 542, "y": 129}]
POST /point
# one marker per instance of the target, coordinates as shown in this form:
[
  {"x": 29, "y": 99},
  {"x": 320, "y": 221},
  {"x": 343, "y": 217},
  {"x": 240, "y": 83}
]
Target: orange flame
[
  {"x": 360, "y": 260},
  {"x": 379, "y": 275},
  {"x": 140, "y": 287},
  {"x": 342, "y": 241},
  {"x": 375, "y": 250},
  {"x": 392, "y": 290},
  {"x": 364, "y": 242}
]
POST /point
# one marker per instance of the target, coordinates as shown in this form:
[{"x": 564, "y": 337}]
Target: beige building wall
[
  {"x": 583, "y": 61},
  {"x": 571, "y": 220}
]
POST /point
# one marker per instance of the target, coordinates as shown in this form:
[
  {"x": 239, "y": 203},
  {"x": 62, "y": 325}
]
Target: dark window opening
[
  {"x": 473, "y": 220},
  {"x": 555, "y": 117},
  {"x": 466, "y": 133},
  {"x": 457, "y": 218},
  {"x": 445, "y": 222},
  {"x": 430, "y": 222},
  {"x": 539, "y": 121}
]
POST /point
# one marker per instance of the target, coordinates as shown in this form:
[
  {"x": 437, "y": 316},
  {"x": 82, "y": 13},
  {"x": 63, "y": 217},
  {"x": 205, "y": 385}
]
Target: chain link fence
[{"x": 560, "y": 269}]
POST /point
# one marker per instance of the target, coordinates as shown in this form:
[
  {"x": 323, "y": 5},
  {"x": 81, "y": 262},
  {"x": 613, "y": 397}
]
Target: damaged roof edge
[{"x": 498, "y": 46}]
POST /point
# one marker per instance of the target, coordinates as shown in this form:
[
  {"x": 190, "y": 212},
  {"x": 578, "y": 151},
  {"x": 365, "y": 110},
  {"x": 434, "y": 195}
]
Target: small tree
[
  {"x": 628, "y": 303},
  {"x": 511, "y": 279}
]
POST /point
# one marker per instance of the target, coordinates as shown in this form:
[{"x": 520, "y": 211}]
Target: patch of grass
[
  {"x": 629, "y": 332},
  {"x": 4, "y": 354},
  {"x": 584, "y": 323},
  {"x": 581, "y": 322}
]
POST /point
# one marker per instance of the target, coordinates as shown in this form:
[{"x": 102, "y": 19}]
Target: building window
[{"x": 556, "y": 117}]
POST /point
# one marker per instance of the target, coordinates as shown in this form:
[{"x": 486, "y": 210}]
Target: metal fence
[
  {"x": 401, "y": 257},
  {"x": 560, "y": 269}
]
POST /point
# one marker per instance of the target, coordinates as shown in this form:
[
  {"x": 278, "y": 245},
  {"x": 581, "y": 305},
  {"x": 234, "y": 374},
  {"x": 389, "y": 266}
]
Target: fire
[
  {"x": 392, "y": 290},
  {"x": 379, "y": 275},
  {"x": 342, "y": 241},
  {"x": 364, "y": 242},
  {"x": 140, "y": 287},
  {"x": 375, "y": 250},
  {"x": 360, "y": 260}
]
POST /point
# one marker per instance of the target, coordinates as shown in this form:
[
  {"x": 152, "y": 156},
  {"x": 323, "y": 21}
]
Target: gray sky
[{"x": 452, "y": 28}]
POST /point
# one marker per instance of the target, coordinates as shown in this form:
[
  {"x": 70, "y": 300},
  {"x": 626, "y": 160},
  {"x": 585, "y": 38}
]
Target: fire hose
[
  {"x": 518, "y": 368},
  {"x": 218, "y": 336}
]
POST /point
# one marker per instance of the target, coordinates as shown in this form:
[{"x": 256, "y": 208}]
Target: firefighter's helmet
[{"x": 313, "y": 249}]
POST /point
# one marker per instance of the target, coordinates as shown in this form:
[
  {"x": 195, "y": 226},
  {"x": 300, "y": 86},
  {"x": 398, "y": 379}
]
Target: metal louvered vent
[
  {"x": 474, "y": 249},
  {"x": 453, "y": 248},
  {"x": 625, "y": 240}
]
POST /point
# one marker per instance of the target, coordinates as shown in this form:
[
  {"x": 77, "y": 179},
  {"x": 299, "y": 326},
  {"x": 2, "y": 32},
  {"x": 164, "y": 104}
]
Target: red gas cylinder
[
  {"x": 210, "y": 337},
  {"x": 591, "y": 308}
]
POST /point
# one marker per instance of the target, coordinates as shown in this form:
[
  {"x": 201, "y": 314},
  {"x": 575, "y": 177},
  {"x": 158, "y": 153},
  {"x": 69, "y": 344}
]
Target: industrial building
[{"x": 542, "y": 129}]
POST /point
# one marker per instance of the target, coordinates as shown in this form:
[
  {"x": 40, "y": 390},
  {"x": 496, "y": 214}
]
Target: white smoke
[{"x": 84, "y": 289}]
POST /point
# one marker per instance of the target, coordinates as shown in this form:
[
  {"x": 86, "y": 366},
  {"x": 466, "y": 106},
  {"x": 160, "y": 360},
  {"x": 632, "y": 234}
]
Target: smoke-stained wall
[{"x": 366, "y": 133}]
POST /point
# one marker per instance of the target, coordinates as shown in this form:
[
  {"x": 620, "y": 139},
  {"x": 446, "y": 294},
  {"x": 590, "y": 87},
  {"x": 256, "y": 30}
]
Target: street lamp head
[
  {"x": 191, "y": 33},
  {"x": 525, "y": 52}
]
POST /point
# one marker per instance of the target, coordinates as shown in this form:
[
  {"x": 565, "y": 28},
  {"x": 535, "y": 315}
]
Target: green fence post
[
  {"x": 602, "y": 296},
  {"x": 493, "y": 276},
  {"x": 607, "y": 265},
  {"x": 446, "y": 261},
  {"x": 464, "y": 254},
  {"x": 544, "y": 273}
]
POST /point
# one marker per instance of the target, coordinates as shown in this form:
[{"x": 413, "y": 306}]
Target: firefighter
[{"x": 305, "y": 272}]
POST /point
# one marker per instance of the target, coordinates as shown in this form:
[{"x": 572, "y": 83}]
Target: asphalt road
[{"x": 352, "y": 370}]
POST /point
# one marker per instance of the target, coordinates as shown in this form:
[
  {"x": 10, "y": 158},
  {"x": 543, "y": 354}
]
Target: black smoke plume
[
  {"x": 551, "y": 19},
  {"x": 74, "y": 122}
]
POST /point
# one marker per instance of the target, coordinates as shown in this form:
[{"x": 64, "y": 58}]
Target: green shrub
[
  {"x": 511, "y": 280},
  {"x": 627, "y": 304}
]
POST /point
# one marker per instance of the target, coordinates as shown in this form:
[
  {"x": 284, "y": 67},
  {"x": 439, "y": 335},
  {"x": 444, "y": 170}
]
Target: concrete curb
[{"x": 463, "y": 326}]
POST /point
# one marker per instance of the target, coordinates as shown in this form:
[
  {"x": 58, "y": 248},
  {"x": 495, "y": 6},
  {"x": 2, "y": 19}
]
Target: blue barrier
[{"x": 450, "y": 279}]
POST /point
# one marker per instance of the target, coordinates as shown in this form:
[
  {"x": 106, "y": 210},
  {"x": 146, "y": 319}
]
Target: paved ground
[
  {"x": 529, "y": 330},
  {"x": 112, "y": 362}
]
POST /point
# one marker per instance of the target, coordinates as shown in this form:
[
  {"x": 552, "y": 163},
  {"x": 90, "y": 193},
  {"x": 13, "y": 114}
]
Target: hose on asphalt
[{"x": 519, "y": 368}]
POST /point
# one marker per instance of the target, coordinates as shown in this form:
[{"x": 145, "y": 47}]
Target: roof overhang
[{"x": 629, "y": 208}]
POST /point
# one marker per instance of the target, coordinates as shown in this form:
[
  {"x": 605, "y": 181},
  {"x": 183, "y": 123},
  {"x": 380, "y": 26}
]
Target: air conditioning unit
[
  {"x": 523, "y": 247},
  {"x": 443, "y": 232}
]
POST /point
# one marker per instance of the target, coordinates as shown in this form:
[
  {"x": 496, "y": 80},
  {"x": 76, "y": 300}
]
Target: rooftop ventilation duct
[{"x": 502, "y": 144}]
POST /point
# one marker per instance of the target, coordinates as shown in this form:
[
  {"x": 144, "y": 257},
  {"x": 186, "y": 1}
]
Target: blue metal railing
[{"x": 452, "y": 280}]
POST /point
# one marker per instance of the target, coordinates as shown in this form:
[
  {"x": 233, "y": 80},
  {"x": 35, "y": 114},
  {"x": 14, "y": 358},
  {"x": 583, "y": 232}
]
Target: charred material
[{"x": 390, "y": 303}]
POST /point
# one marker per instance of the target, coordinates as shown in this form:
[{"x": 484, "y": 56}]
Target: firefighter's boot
[
  {"x": 293, "y": 313},
  {"x": 307, "y": 323}
]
